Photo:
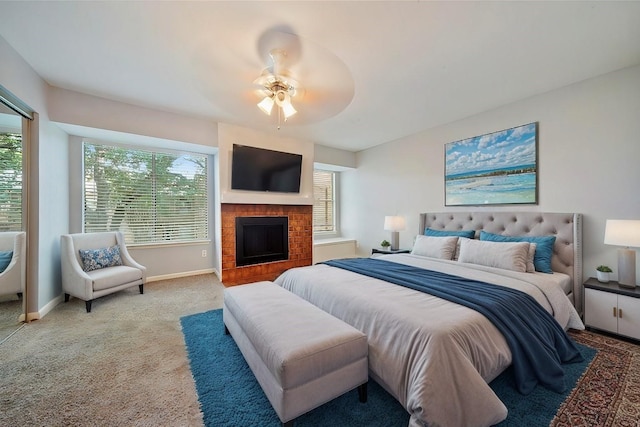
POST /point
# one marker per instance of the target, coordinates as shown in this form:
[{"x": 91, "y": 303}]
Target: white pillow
[
  {"x": 435, "y": 247},
  {"x": 457, "y": 254},
  {"x": 505, "y": 255}
]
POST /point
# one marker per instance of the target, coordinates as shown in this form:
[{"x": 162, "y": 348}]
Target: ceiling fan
[
  {"x": 277, "y": 87},
  {"x": 305, "y": 82},
  {"x": 301, "y": 78}
]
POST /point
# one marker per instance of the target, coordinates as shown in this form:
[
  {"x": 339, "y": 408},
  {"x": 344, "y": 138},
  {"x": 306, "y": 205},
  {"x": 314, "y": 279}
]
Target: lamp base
[
  {"x": 627, "y": 268},
  {"x": 395, "y": 240}
]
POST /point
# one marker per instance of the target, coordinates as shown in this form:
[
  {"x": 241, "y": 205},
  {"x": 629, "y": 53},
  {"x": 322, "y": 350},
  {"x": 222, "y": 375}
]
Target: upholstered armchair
[
  {"x": 97, "y": 264},
  {"x": 13, "y": 249}
]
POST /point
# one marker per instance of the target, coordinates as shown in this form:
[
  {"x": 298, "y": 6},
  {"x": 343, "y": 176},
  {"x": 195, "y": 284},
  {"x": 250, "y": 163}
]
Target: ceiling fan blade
[{"x": 283, "y": 38}]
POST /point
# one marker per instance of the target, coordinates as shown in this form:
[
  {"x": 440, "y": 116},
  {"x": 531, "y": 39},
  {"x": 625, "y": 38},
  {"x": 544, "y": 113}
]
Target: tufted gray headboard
[{"x": 567, "y": 227}]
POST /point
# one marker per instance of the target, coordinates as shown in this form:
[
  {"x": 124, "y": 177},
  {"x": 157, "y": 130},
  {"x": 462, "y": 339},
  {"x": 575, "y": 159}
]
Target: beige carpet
[
  {"x": 10, "y": 311},
  {"x": 123, "y": 364}
]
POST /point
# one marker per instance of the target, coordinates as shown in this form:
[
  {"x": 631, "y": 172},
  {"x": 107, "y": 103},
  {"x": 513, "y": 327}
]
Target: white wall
[
  {"x": 589, "y": 153},
  {"x": 69, "y": 107},
  {"x": 54, "y": 209},
  {"x": 334, "y": 158}
]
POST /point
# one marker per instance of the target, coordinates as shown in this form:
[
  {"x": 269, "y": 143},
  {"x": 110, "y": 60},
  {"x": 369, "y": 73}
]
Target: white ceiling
[{"x": 373, "y": 71}]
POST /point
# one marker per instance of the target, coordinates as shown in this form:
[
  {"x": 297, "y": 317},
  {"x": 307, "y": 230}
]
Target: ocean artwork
[{"x": 493, "y": 169}]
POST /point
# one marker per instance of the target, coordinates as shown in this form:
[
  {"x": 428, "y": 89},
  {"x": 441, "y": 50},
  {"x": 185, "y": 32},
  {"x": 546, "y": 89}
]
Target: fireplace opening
[{"x": 261, "y": 239}]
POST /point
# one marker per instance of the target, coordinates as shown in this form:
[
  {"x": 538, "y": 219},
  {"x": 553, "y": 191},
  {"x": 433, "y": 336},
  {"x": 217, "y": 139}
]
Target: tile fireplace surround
[{"x": 300, "y": 241}]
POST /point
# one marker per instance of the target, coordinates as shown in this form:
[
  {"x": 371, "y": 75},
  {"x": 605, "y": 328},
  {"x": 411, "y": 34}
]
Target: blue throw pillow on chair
[
  {"x": 95, "y": 259},
  {"x": 5, "y": 259}
]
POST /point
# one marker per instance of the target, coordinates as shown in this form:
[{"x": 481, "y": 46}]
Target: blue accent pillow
[
  {"x": 544, "y": 247},
  {"x": 5, "y": 259},
  {"x": 469, "y": 234},
  {"x": 95, "y": 259}
]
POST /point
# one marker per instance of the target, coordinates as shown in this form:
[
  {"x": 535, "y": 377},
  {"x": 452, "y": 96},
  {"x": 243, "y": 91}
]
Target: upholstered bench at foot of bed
[{"x": 302, "y": 356}]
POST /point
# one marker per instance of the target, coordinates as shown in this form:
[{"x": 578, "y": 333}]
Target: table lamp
[
  {"x": 394, "y": 224},
  {"x": 625, "y": 233}
]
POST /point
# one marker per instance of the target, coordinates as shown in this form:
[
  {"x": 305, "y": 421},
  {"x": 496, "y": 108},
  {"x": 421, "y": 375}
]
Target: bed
[{"x": 434, "y": 356}]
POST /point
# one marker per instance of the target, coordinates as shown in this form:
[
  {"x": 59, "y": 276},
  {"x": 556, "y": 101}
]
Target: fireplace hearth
[{"x": 261, "y": 239}]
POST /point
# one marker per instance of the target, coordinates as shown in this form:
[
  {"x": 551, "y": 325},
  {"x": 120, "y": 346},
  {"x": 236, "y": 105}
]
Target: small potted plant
[
  {"x": 603, "y": 273},
  {"x": 385, "y": 245}
]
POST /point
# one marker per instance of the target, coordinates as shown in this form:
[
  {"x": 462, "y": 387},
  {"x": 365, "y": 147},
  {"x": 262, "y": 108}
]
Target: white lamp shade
[
  {"x": 620, "y": 232},
  {"x": 266, "y": 105},
  {"x": 394, "y": 223}
]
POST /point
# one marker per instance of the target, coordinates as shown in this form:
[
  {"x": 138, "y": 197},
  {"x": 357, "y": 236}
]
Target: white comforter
[{"x": 435, "y": 357}]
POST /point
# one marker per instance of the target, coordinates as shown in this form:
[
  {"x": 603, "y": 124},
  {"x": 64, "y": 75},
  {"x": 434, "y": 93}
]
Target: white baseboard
[
  {"x": 183, "y": 274},
  {"x": 37, "y": 315}
]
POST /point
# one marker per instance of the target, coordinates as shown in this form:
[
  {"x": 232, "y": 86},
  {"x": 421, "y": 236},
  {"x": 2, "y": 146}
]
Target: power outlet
[{"x": 204, "y": 253}]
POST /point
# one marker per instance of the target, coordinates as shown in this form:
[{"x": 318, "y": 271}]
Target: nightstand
[
  {"x": 389, "y": 251},
  {"x": 612, "y": 308}
]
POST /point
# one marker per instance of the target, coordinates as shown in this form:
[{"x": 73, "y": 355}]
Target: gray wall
[{"x": 589, "y": 150}]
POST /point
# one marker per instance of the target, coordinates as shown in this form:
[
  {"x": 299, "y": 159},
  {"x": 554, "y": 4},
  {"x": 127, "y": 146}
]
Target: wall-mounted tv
[{"x": 259, "y": 169}]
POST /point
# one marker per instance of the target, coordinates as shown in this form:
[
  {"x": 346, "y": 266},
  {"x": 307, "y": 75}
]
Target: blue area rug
[{"x": 230, "y": 395}]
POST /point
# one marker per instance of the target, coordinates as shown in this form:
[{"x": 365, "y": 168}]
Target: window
[
  {"x": 10, "y": 181},
  {"x": 149, "y": 196},
  {"x": 324, "y": 206}
]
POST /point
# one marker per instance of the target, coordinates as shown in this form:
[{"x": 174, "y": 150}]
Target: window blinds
[
  {"x": 323, "y": 201},
  {"x": 10, "y": 182},
  {"x": 150, "y": 196}
]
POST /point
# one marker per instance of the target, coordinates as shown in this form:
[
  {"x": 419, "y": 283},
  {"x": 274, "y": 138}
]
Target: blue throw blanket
[{"x": 537, "y": 342}]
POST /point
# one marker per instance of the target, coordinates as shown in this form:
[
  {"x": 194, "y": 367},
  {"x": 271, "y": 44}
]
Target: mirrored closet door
[{"x": 12, "y": 224}]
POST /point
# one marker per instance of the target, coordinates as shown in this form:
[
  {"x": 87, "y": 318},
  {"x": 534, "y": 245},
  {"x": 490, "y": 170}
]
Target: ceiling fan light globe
[
  {"x": 266, "y": 105},
  {"x": 287, "y": 109}
]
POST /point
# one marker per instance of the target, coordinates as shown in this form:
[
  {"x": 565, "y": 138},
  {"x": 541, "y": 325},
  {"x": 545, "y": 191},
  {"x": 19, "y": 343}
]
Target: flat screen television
[{"x": 259, "y": 169}]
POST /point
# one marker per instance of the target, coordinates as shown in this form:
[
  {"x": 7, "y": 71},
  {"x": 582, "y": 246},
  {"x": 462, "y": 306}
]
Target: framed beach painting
[{"x": 498, "y": 168}]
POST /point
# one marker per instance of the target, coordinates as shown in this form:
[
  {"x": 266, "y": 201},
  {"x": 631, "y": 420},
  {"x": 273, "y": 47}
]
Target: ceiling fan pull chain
[{"x": 278, "y": 118}]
